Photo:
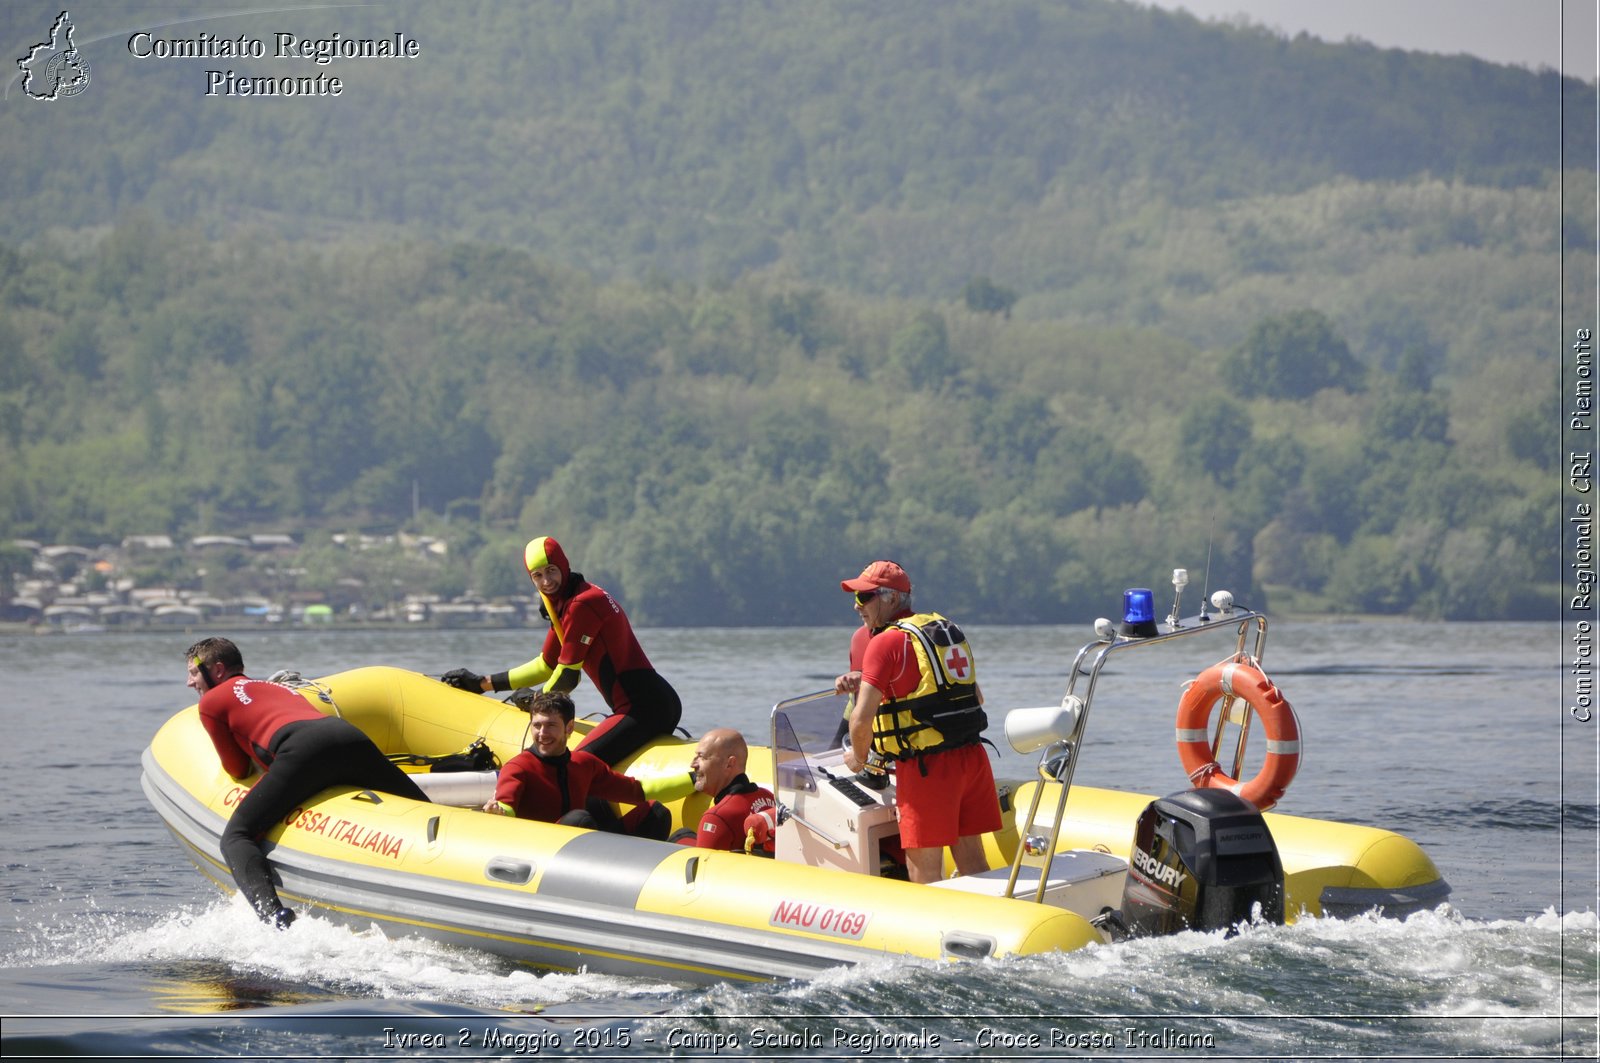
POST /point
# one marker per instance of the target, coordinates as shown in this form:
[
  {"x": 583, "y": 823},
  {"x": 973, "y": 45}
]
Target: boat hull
[
  {"x": 566, "y": 899},
  {"x": 558, "y": 897}
]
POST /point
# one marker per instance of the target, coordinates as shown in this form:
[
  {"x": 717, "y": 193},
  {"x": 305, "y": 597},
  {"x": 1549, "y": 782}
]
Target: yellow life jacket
[{"x": 943, "y": 712}]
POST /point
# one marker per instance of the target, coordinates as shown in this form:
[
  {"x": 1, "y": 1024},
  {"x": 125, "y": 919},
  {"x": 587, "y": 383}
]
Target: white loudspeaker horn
[{"x": 1031, "y": 729}]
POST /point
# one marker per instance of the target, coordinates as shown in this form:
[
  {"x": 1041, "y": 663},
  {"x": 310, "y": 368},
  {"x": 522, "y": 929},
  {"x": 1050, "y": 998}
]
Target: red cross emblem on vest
[{"x": 956, "y": 663}]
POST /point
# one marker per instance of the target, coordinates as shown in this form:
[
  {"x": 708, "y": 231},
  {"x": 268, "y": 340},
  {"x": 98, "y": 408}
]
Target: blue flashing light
[
  {"x": 1138, "y": 605},
  {"x": 1138, "y": 613}
]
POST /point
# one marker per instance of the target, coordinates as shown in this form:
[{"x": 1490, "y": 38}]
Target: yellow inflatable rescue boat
[{"x": 1073, "y": 865}]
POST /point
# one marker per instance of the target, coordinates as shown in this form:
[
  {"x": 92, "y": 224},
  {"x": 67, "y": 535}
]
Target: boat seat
[{"x": 1080, "y": 880}]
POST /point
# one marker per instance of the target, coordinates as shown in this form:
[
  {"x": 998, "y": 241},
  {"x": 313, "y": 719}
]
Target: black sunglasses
[{"x": 866, "y": 596}]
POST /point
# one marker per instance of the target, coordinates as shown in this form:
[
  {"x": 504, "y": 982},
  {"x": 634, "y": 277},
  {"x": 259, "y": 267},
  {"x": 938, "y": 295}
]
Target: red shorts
[{"x": 956, "y": 798}]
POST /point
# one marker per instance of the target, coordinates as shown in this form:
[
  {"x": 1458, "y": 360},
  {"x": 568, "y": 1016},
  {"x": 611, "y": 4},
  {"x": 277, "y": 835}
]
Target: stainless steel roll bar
[{"x": 1058, "y": 761}]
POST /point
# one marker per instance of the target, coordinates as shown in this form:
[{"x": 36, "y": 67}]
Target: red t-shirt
[
  {"x": 531, "y": 784},
  {"x": 890, "y": 664},
  {"x": 858, "y": 646},
  {"x": 242, "y": 715}
]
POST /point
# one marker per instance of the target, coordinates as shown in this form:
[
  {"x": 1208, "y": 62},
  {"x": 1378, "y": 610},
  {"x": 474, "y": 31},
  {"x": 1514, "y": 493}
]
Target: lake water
[{"x": 1455, "y": 735}]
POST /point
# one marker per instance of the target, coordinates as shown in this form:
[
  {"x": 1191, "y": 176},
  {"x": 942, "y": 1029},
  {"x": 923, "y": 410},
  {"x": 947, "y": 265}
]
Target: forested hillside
[
  {"x": 897, "y": 146},
  {"x": 1042, "y": 299}
]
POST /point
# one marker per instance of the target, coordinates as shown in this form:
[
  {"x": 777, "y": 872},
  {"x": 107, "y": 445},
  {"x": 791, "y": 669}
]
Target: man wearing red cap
[
  {"x": 589, "y": 634},
  {"x": 917, "y": 703}
]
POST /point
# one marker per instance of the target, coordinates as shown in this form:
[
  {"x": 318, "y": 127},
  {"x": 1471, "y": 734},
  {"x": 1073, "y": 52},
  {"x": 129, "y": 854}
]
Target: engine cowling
[{"x": 1201, "y": 860}]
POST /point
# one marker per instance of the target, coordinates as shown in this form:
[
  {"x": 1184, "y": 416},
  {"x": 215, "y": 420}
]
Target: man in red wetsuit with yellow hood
[{"x": 589, "y": 633}]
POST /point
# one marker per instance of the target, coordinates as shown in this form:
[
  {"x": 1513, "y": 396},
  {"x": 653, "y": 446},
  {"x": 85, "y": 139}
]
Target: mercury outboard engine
[{"x": 1202, "y": 860}]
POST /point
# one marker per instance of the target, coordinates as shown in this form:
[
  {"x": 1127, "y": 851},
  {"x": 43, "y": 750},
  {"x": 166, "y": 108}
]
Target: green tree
[
  {"x": 1374, "y": 575},
  {"x": 1529, "y": 436},
  {"x": 1293, "y": 356},
  {"x": 1215, "y": 433},
  {"x": 1409, "y": 416},
  {"x": 1081, "y": 469},
  {"x": 497, "y": 569},
  {"x": 1415, "y": 369},
  {"x": 15, "y": 562},
  {"x": 1012, "y": 427},
  {"x": 984, "y": 296},
  {"x": 921, "y": 351},
  {"x": 76, "y": 348}
]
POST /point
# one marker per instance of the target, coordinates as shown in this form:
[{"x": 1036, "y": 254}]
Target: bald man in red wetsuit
[{"x": 719, "y": 772}]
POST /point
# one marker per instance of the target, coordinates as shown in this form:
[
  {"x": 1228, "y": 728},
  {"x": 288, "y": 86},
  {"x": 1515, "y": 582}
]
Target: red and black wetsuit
[
  {"x": 549, "y": 788},
  {"x": 590, "y": 634},
  {"x": 253, "y": 722},
  {"x": 722, "y": 825}
]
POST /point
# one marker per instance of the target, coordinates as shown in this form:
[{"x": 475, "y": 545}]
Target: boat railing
[{"x": 1058, "y": 760}]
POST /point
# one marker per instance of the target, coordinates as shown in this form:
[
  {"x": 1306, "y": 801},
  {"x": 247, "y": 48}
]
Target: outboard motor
[{"x": 1202, "y": 860}]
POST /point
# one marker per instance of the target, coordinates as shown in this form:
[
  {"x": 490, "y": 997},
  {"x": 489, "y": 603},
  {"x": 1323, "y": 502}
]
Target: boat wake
[
  {"x": 1435, "y": 982},
  {"x": 246, "y": 964}
]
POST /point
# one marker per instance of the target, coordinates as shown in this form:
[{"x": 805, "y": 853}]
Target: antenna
[{"x": 1205, "y": 592}]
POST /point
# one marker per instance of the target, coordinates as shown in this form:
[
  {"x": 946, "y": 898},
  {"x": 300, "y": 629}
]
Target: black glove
[{"x": 462, "y": 679}]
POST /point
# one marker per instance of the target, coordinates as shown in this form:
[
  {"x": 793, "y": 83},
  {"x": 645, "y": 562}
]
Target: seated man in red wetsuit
[
  {"x": 547, "y": 782},
  {"x": 302, "y": 751},
  {"x": 589, "y": 633},
  {"x": 718, "y": 767}
]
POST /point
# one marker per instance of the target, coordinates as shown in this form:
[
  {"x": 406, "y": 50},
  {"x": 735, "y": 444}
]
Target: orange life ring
[{"x": 1246, "y": 681}]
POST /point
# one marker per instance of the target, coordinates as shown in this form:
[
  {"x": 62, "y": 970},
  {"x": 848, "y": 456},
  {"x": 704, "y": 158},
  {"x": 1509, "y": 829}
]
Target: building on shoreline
[{"x": 152, "y": 582}]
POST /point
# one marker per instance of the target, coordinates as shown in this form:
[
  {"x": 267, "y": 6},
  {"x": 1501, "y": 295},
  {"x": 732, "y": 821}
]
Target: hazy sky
[{"x": 1529, "y": 32}]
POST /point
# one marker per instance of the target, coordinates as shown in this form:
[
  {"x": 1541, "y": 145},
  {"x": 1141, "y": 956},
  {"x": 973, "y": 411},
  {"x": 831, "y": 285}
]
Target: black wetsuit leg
[
  {"x": 654, "y": 710},
  {"x": 308, "y": 757},
  {"x": 579, "y": 817},
  {"x": 650, "y": 820}
]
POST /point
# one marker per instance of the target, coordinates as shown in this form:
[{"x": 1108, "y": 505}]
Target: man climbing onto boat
[
  {"x": 589, "y": 633},
  {"x": 547, "y": 782},
  {"x": 917, "y": 703},
  {"x": 254, "y": 723},
  {"x": 743, "y": 816}
]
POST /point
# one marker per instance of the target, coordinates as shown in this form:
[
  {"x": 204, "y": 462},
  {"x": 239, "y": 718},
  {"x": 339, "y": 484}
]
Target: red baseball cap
[{"x": 879, "y": 574}]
